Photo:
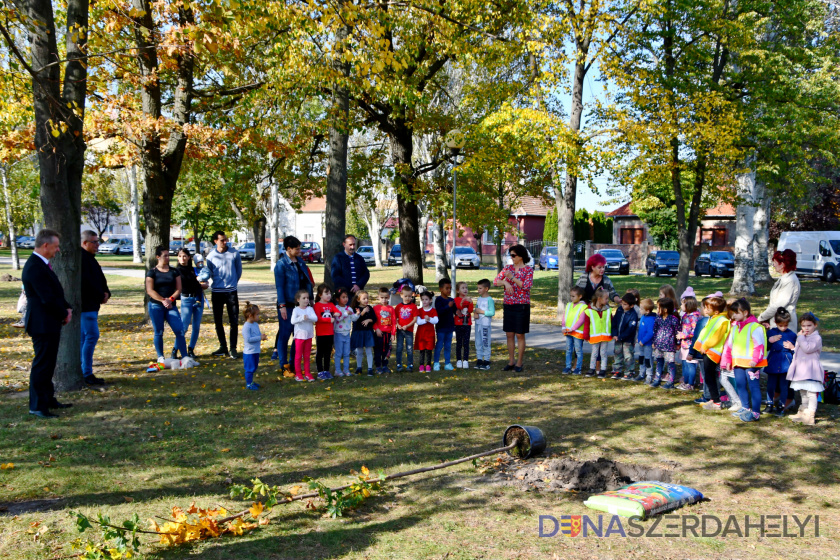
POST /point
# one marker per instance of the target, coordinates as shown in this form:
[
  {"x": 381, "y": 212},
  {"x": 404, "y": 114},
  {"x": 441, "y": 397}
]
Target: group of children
[
  {"x": 334, "y": 322},
  {"x": 712, "y": 338}
]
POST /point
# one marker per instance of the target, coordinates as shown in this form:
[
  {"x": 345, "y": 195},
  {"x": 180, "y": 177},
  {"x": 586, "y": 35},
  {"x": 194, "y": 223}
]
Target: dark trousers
[
  {"x": 381, "y": 349},
  {"x": 323, "y": 352},
  {"x": 462, "y": 342},
  {"x": 285, "y": 354},
  {"x": 220, "y": 300},
  {"x": 41, "y": 390},
  {"x": 710, "y": 378}
]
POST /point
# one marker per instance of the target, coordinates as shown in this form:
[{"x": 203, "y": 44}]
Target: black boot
[
  {"x": 190, "y": 353},
  {"x": 174, "y": 354}
]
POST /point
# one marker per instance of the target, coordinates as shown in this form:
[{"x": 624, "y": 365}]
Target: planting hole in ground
[{"x": 563, "y": 474}]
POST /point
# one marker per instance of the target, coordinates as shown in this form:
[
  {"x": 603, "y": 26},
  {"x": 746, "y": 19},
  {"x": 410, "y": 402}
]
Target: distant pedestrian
[{"x": 163, "y": 285}]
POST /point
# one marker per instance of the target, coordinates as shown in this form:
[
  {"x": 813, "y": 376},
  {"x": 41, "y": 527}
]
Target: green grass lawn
[{"x": 147, "y": 442}]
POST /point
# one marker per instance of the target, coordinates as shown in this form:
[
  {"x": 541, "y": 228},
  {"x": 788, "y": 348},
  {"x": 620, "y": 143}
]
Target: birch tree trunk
[
  {"x": 374, "y": 227},
  {"x": 439, "y": 242},
  {"x": 275, "y": 225},
  {"x": 4, "y": 170},
  {"x": 743, "y": 280},
  {"x": 762, "y": 233}
]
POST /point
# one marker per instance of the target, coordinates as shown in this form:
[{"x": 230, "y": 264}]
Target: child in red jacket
[
  {"x": 326, "y": 312},
  {"x": 383, "y": 330},
  {"x": 463, "y": 324},
  {"x": 406, "y": 313},
  {"x": 424, "y": 341}
]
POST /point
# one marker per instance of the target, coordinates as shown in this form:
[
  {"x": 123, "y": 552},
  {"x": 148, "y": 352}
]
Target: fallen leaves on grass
[
  {"x": 197, "y": 524},
  {"x": 7, "y": 466}
]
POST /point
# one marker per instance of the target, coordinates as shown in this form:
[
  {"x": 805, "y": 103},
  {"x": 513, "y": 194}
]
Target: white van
[{"x": 817, "y": 252}]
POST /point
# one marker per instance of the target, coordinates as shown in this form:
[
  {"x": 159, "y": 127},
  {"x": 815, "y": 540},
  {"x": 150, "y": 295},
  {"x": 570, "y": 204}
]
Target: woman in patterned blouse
[{"x": 517, "y": 280}]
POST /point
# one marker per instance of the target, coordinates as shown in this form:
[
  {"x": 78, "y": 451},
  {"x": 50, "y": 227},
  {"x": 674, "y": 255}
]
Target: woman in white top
[{"x": 785, "y": 292}]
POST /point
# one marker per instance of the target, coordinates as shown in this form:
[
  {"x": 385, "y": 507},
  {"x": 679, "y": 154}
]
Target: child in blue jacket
[
  {"x": 778, "y": 362},
  {"x": 646, "y": 340}
]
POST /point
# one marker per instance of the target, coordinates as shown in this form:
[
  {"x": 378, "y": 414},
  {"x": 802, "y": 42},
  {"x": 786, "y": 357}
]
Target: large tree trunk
[
  {"x": 134, "y": 214},
  {"x": 565, "y": 200},
  {"x": 743, "y": 280},
  {"x": 10, "y": 224},
  {"x": 401, "y": 151},
  {"x": 259, "y": 238},
  {"x": 61, "y": 159},
  {"x": 161, "y": 166},
  {"x": 439, "y": 244},
  {"x": 335, "y": 219},
  {"x": 762, "y": 234}
]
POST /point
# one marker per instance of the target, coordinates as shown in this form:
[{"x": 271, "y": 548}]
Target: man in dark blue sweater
[
  {"x": 348, "y": 269},
  {"x": 445, "y": 307}
]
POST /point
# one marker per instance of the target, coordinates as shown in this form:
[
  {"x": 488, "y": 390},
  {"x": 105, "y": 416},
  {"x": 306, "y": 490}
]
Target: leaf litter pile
[{"x": 565, "y": 474}]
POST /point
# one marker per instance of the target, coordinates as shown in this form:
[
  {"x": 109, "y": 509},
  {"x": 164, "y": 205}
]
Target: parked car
[
  {"x": 548, "y": 259},
  {"x": 25, "y": 242},
  {"x": 395, "y": 256},
  {"x": 465, "y": 257},
  {"x": 175, "y": 246},
  {"x": 715, "y": 263},
  {"x": 531, "y": 263},
  {"x": 280, "y": 250},
  {"x": 205, "y": 246},
  {"x": 311, "y": 252},
  {"x": 662, "y": 262},
  {"x": 366, "y": 252},
  {"x": 616, "y": 261},
  {"x": 817, "y": 252},
  {"x": 126, "y": 248},
  {"x": 112, "y": 246},
  {"x": 247, "y": 250}
]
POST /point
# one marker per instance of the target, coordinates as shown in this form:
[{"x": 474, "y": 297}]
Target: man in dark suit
[
  {"x": 349, "y": 269},
  {"x": 47, "y": 311}
]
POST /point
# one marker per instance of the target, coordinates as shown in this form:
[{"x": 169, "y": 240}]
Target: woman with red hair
[
  {"x": 594, "y": 278},
  {"x": 785, "y": 292}
]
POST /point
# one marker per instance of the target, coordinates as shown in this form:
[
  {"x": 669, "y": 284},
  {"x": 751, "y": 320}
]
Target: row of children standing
[
  {"x": 334, "y": 322},
  {"x": 724, "y": 338}
]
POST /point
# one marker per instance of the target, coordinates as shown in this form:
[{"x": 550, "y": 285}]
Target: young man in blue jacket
[
  {"x": 225, "y": 267},
  {"x": 624, "y": 325}
]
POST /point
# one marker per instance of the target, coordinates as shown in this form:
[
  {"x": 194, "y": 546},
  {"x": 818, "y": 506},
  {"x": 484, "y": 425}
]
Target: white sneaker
[
  {"x": 459, "y": 365},
  {"x": 466, "y": 364},
  {"x": 161, "y": 360}
]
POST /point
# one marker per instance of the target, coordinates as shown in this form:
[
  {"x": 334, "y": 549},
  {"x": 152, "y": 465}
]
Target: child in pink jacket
[{"x": 805, "y": 372}]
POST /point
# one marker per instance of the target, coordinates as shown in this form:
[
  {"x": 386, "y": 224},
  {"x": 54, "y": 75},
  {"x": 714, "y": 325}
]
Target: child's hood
[{"x": 745, "y": 322}]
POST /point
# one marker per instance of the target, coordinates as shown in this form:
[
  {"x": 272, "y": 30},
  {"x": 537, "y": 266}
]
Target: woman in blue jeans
[
  {"x": 163, "y": 284},
  {"x": 192, "y": 300}
]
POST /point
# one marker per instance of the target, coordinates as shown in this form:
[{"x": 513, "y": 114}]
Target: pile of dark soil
[{"x": 567, "y": 474}]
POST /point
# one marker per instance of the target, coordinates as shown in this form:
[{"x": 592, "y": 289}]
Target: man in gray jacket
[{"x": 225, "y": 267}]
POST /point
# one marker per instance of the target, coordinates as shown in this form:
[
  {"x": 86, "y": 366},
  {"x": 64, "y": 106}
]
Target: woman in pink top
[
  {"x": 517, "y": 280},
  {"x": 806, "y": 372}
]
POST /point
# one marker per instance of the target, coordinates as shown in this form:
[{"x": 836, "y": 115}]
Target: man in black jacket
[
  {"x": 349, "y": 269},
  {"x": 95, "y": 292},
  {"x": 47, "y": 311}
]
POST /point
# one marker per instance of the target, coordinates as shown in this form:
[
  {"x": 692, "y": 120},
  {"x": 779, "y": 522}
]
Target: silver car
[
  {"x": 247, "y": 251},
  {"x": 112, "y": 246},
  {"x": 465, "y": 257},
  {"x": 366, "y": 252}
]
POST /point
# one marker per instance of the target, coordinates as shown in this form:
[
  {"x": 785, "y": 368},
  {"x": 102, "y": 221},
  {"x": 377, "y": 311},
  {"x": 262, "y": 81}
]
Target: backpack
[{"x": 831, "y": 395}]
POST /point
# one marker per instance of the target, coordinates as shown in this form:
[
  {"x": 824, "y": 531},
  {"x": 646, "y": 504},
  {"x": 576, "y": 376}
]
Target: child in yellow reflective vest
[
  {"x": 572, "y": 324},
  {"x": 745, "y": 352},
  {"x": 710, "y": 344},
  {"x": 600, "y": 323}
]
